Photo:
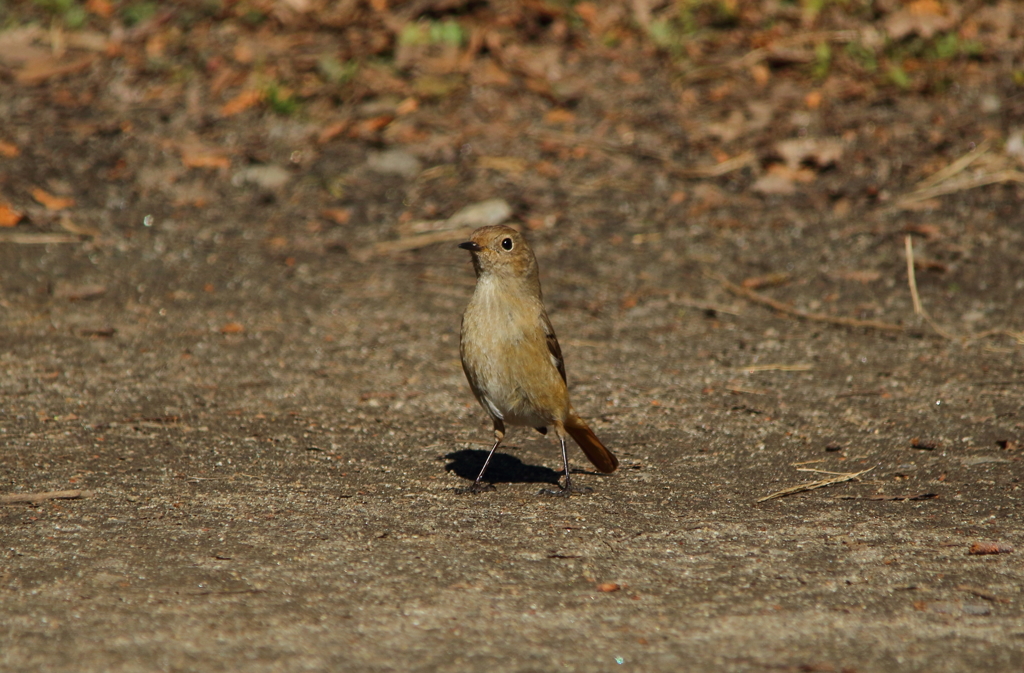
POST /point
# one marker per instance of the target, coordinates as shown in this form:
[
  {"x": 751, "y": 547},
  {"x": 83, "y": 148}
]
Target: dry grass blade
[
  {"x": 760, "y": 54},
  {"x": 38, "y": 239},
  {"x": 1016, "y": 336},
  {"x": 745, "y": 391},
  {"x": 812, "y": 485},
  {"x": 814, "y": 317},
  {"x": 911, "y": 275},
  {"x": 728, "y": 166},
  {"x": 775, "y": 368},
  {"x": 954, "y": 168},
  {"x": 40, "y": 497},
  {"x": 415, "y": 242},
  {"x": 982, "y": 592},
  {"x": 946, "y": 181},
  {"x": 578, "y": 140},
  {"x": 1009, "y": 175},
  {"x": 817, "y": 471},
  {"x": 737, "y": 162},
  {"x": 919, "y": 309},
  {"x": 912, "y": 281}
]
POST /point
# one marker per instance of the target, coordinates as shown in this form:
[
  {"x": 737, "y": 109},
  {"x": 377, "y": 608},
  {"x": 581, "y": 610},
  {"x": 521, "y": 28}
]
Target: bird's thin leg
[
  {"x": 565, "y": 463},
  {"x": 567, "y": 490},
  {"x": 477, "y": 484}
]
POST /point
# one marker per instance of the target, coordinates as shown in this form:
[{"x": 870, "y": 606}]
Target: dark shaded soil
[{"x": 271, "y": 420}]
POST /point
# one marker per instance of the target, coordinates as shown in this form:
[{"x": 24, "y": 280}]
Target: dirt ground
[{"x": 224, "y": 321}]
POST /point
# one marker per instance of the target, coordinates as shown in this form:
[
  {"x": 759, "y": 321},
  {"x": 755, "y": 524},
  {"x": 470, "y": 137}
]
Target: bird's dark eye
[{"x": 506, "y": 243}]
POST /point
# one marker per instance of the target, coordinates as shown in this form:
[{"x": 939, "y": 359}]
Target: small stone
[
  {"x": 394, "y": 162},
  {"x": 990, "y": 104},
  {"x": 481, "y": 214},
  {"x": 976, "y": 609},
  {"x": 266, "y": 177}
]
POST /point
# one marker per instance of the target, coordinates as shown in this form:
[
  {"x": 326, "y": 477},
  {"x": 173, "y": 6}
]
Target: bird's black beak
[{"x": 471, "y": 246}]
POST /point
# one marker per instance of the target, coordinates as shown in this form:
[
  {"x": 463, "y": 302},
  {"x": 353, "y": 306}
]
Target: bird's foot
[{"x": 565, "y": 492}]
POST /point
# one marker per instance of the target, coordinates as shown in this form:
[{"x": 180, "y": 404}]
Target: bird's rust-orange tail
[{"x": 603, "y": 459}]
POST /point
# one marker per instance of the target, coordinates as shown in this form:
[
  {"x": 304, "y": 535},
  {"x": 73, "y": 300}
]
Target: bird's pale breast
[{"x": 506, "y": 358}]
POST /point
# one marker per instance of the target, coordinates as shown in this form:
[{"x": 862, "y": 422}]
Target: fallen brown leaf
[
  {"x": 242, "y": 102},
  {"x": 923, "y": 17},
  {"x": 778, "y": 179},
  {"x": 337, "y": 215},
  {"x": 984, "y": 548},
  {"x": 80, "y": 292},
  {"x": 369, "y": 127},
  {"x": 232, "y": 328},
  {"x": 559, "y": 116},
  {"x": 18, "y": 45},
  {"x": 509, "y": 165},
  {"x": 771, "y": 280},
  {"x": 38, "y": 70},
  {"x": 331, "y": 131},
  {"x": 204, "y": 159},
  {"x": 407, "y": 106},
  {"x": 8, "y": 150},
  {"x": 51, "y": 202},
  {"x": 243, "y": 53},
  {"x": 486, "y": 72},
  {"x": 381, "y": 79},
  {"x": 608, "y": 587},
  {"x": 101, "y": 8},
  {"x": 866, "y": 276},
  {"x": 9, "y": 217}
]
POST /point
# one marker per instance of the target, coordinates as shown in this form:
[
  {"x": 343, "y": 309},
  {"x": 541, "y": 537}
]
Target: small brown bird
[{"x": 510, "y": 354}]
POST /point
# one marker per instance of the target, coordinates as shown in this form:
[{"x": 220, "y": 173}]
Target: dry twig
[
  {"x": 919, "y": 309},
  {"x": 15, "y": 498},
  {"x": 1017, "y": 336},
  {"x": 954, "y": 168},
  {"x": 415, "y": 242},
  {"x": 943, "y": 181},
  {"x": 775, "y": 368},
  {"x": 912, "y": 280},
  {"x": 755, "y": 56},
  {"x": 836, "y": 478},
  {"x": 781, "y": 307},
  {"x": 981, "y": 592},
  {"x": 1008, "y": 175},
  {"x": 912, "y": 276},
  {"x": 24, "y": 238},
  {"x": 745, "y": 391},
  {"x": 735, "y": 163}
]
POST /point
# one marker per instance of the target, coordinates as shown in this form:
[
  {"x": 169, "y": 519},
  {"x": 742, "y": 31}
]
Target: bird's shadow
[{"x": 503, "y": 468}]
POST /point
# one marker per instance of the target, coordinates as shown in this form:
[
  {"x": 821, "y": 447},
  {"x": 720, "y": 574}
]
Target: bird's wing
[{"x": 553, "y": 348}]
